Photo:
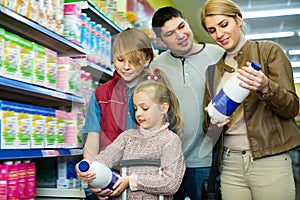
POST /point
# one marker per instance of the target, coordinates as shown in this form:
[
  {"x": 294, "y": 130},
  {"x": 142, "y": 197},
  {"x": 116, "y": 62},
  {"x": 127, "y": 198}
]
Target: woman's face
[
  {"x": 128, "y": 71},
  {"x": 224, "y": 30}
]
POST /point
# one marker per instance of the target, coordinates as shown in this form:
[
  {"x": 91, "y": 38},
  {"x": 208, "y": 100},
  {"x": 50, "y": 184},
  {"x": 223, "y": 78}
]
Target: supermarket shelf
[
  {"x": 11, "y": 89},
  {"x": 7, "y": 154},
  {"x": 100, "y": 18},
  {"x": 98, "y": 73},
  {"x": 56, "y": 193},
  {"x": 28, "y": 29}
]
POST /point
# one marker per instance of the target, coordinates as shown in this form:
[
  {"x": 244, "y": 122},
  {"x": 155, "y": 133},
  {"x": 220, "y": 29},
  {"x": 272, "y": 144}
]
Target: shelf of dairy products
[
  {"x": 11, "y": 89},
  {"x": 12, "y": 154},
  {"x": 28, "y": 29},
  {"x": 56, "y": 193},
  {"x": 99, "y": 17}
]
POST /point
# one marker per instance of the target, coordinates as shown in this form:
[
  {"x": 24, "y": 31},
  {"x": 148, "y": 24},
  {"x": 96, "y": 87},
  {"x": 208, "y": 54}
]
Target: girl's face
[
  {"x": 224, "y": 30},
  {"x": 128, "y": 71},
  {"x": 177, "y": 35},
  {"x": 147, "y": 113}
]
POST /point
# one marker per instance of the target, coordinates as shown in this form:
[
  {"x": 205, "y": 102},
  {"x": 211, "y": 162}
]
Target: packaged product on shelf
[
  {"x": 22, "y": 7},
  {"x": 11, "y": 4},
  {"x": 26, "y": 60},
  {"x": 51, "y": 68},
  {"x": 11, "y": 56},
  {"x": 68, "y": 75},
  {"x": 50, "y": 135},
  {"x": 24, "y": 130},
  {"x": 22, "y": 167},
  {"x": 84, "y": 31},
  {"x": 2, "y": 32},
  {"x": 39, "y": 67},
  {"x": 66, "y": 175},
  {"x": 61, "y": 125},
  {"x": 8, "y": 124},
  {"x": 3, "y": 181},
  {"x": 72, "y": 22},
  {"x": 13, "y": 180},
  {"x": 30, "y": 186}
]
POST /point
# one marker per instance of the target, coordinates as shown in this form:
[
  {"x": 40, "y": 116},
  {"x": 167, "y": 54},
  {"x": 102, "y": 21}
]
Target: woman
[{"x": 257, "y": 137}]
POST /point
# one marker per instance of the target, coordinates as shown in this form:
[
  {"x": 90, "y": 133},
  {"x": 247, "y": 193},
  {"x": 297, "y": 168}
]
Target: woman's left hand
[{"x": 252, "y": 79}]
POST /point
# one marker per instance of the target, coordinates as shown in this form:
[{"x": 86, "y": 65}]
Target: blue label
[
  {"x": 224, "y": 104},
  {"x": 114, "y": 179}
]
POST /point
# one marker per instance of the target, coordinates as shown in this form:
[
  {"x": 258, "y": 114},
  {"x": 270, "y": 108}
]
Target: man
[{"x": 185, "y": 63}]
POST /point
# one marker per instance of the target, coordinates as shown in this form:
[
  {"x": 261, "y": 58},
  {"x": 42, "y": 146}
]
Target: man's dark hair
[{"x": 161, "y": 16}]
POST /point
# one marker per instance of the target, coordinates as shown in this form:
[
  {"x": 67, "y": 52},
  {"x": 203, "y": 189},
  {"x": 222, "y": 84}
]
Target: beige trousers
[{"x": 269, "y": 178}]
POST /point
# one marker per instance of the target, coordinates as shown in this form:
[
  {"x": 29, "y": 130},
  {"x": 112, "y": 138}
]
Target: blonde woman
[{"x": 256, "y": 140}]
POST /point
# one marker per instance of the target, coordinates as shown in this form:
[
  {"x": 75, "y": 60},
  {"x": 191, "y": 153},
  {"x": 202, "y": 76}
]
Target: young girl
[
  {"x": 110, "y": 110},
  {"x": 256, "y": 140},
  {"x": 156, "y": 107}
]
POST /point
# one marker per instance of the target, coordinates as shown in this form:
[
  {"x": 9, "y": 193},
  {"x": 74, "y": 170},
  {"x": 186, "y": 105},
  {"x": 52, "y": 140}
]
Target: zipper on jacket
[{"x": 183, "y": 73}]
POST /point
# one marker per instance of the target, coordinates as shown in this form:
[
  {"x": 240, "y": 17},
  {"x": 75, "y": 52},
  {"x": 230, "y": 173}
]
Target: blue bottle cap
[
  {"x": 84, "y": 166},
  {"x": 256, "y": 65}
]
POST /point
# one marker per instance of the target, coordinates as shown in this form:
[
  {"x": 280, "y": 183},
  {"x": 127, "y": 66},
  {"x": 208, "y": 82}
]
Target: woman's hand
[
  {"x": 253, "y": 79},
  {"x": 217, "y": 123}
]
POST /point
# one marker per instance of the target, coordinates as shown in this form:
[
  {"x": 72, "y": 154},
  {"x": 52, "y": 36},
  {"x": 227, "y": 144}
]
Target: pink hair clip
[{"x": 154, "y": 76}]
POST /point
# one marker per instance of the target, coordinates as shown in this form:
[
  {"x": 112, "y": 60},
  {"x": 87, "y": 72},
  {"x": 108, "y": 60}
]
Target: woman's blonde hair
[
  {"x": 133, "y": 45},
  {"x": 220, "y": 7},
  {"x": 159, "y": 88}
]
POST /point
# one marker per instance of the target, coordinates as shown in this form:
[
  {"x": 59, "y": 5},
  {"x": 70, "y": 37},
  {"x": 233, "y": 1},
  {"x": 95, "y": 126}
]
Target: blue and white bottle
[{"x": 229, "y": 97}]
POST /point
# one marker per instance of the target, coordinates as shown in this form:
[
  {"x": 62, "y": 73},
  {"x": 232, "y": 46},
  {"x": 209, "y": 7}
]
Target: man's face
[{"x": 177, "y": 35}]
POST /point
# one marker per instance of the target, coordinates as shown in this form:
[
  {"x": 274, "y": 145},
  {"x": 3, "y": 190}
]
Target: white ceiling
[{"x": 191, "y": 8}]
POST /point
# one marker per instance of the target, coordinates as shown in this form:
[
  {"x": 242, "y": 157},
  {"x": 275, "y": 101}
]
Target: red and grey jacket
[{"x": 112, "y": 99}]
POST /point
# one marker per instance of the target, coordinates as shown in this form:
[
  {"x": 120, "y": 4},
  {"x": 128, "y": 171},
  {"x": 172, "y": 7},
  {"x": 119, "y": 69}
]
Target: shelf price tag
[
  {"x": 76, "y": 152},
  {"x": 50, "y": 153}
]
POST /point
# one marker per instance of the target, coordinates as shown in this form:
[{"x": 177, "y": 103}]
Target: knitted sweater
[{"x": 139, "y": 143}]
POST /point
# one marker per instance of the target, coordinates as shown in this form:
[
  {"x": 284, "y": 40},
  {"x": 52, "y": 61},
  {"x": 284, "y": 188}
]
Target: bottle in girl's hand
[
  {"x": 229, "y": 97},
  {"x": 105, "y": 177}
]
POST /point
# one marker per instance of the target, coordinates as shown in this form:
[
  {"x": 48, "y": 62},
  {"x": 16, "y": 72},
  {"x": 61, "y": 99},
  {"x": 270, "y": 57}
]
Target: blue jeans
[{"x": 191, "y": 185}]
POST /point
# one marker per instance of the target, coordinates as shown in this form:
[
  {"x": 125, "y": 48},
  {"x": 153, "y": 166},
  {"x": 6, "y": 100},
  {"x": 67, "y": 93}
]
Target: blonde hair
[
  {"x": 133, "y": 45},
  {"x": 220, "y": 7},
  {"x": 161, "y": 92}
]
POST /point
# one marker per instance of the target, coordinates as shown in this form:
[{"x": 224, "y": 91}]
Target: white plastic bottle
[
  {"x": 229, "y": 97},
  {"x": 105, "y": 177}
]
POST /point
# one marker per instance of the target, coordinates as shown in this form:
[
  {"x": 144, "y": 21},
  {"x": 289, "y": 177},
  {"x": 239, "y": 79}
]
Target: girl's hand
[
  {"x": 253, "y": 79},
  {"x": 120, "y": 186},
  {"x": 85, "y": 176},
  {"x": 101, "y": 194}
]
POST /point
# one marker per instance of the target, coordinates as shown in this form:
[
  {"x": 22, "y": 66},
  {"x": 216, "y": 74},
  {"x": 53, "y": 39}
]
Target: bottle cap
[
  {"x": 84, "y": 166},
  {"x": 256, "y": 65}
]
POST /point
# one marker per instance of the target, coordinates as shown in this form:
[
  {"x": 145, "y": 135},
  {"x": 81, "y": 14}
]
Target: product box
[
  {"x": 68, "y": 75},
  {"x": 11, "y": 56},
  {"x": 61, "y": 125},
  {"x": 72, "y": 22},
  {"x": 51, "y": 68},
  {"x": 39, "y": 68},
  {"x": 3, "y": 181},
  {"x": 26, "y": 60},
  {"x": 2, "y": 33},
  {"x": 12, "y": 180},
  {"x": 30, "y": 179},
  {"x": 8, "y": 124}
]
